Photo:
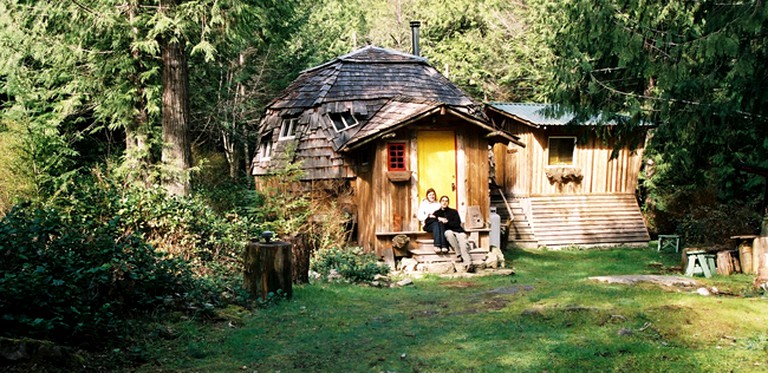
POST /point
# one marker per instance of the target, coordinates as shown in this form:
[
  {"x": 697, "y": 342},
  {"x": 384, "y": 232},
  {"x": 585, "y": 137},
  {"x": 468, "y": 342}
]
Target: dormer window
[
  {"x": 288, "y": 128},
  {"x": 342, "y": 121},
  {"x": 265, "y": 148}
]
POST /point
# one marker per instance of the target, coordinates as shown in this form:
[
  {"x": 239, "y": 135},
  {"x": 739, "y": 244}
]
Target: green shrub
[
  {"x": 701, "y": 218},
  {"x": 707, "y": 225},
  {"x": 352, "y": 264},
  {"x": 77, "y": 268},
  {"x": 80, "y": 282}
]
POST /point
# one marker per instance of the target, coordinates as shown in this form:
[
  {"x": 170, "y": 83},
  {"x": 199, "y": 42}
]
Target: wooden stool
[
  {"x": 700, "y": 262},
  {"x": 672, "y": 239}
]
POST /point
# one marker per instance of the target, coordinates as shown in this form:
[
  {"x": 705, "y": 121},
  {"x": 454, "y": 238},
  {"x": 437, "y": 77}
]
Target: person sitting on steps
[
  {"x": 454, "y": 233},
  {"x": 430, "y": 223}
]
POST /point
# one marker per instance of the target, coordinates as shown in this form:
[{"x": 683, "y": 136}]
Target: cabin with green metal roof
[{"x": 569, "y": 186}]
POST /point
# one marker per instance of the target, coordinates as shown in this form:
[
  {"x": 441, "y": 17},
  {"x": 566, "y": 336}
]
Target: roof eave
[
  {"x": 514, "y": 117},
  {"x": 493, "y": 132}
]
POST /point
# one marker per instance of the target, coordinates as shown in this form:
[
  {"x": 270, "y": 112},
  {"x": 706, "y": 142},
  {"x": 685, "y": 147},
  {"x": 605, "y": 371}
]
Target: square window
[
  {"x": 342, "y": 121},
  {"x": 396, "y": 159},
  {"x": 561, "y": 150},
  {"x": 288, "y": 128}
]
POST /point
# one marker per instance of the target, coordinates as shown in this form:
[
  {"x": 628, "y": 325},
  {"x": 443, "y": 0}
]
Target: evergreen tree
[{"x": 695, "y": 70}]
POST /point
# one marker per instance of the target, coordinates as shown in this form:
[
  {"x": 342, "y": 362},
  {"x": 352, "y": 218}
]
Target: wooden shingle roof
[
  {"x": 381, "y": 88},
  {"x": 367, "y": 74}
]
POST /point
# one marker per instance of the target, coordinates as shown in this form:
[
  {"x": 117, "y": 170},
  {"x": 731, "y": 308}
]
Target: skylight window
[
  {"x": 288, "y": 128},
  {"x": 342, "y": 121}
]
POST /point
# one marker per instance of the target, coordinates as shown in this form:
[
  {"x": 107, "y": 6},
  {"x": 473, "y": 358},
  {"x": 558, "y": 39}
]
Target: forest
[{"x": 128, "y": 128}]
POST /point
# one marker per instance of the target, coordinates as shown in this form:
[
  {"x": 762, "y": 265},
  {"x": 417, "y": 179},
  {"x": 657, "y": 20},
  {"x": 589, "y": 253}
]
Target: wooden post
[{"x": 268, "y": 268}]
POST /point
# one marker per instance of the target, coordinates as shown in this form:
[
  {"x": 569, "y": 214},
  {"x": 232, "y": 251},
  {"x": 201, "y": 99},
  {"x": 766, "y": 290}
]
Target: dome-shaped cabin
[{"x": 386, "y": 126}]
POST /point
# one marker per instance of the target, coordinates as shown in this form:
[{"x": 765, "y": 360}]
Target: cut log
[
  {"x": 724, "y": 263},
  {"x": 745, "y": 254},
  {"x": 759, "y": 249},
  {"x": 268, "y": 269}
]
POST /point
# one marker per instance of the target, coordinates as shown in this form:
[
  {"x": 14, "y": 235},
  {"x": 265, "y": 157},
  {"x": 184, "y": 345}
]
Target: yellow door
[{"x": 437, "y": 163}]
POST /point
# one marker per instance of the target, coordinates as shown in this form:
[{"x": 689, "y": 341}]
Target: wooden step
[{"x": 424, "y": 252}]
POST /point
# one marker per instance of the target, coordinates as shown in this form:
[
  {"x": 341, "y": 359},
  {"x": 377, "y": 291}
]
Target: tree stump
[
  {"x": 268, "y": 268},
  {"x": 301, "y": 251}
]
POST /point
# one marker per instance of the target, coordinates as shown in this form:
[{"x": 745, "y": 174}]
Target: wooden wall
[
  {"x": 522, "y": 172},
  {"x": 387, "y": 206},
  {"x": 364, "y": 195},
  {"x": 475, "y": 149}
]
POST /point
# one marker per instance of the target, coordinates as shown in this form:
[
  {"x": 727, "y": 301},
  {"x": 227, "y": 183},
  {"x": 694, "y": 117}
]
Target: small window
[
  {"x": 561, "y": 151},
  {"x": 396, "y": 156},
  {"x": 342, "y": 121},
  {"x": 265, "y": 148},
  {"x": 288, "y": 128}
]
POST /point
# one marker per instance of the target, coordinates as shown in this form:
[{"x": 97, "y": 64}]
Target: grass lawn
[{"x": 547, "y": 317}]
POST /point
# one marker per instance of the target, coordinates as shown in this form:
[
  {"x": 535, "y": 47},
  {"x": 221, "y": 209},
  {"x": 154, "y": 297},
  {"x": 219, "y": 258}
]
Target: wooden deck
[{"x": 588, "y": 220}]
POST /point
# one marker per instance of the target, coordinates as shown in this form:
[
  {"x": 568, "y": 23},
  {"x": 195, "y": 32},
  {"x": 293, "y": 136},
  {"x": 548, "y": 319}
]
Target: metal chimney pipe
[{"x": 415, "y": 36}]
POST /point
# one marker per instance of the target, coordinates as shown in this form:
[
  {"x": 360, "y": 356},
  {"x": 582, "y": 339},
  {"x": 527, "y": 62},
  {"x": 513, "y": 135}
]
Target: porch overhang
[{"x": 418, "y": 112}]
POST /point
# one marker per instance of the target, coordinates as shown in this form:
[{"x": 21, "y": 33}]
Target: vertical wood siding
[{"x": 522, "y": 171}]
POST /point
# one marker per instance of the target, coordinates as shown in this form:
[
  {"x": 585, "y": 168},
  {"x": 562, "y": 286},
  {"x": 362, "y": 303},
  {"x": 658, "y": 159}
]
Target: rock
[
  {"x": 703, "y": 291},
  {"x": 500, "y": 261},
  {"x": 408, "y": 265},
  {"x": 45, "y": 352},
  {"x": 656, "y": 279},
  {"x": 405, "y": 282},
  {"x": 400, "y": 241},
  {"x": 625, "y": 331},
  {"x": 492, "y": 260},
  {"x": 439, "y": 268},
  {"x": 333, "y": 274}
]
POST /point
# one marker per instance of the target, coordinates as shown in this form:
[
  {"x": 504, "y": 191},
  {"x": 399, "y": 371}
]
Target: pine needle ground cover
[{"x": 547, "y": 317}]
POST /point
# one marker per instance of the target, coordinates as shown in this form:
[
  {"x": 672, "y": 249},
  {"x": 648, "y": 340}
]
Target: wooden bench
[
  {"x": 671, "y": 239},
  {"x": 700, "y": 262}
]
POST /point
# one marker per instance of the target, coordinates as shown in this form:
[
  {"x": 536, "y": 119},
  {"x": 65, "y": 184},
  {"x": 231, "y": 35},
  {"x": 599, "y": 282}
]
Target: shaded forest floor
[{"x": 549, "y": 316}]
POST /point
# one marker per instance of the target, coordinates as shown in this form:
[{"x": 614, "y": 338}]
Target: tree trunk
[
  {"x": 268, "y": 269},
  {"x": 177, "y": 153},
  {"x": 137, "y": 152}
]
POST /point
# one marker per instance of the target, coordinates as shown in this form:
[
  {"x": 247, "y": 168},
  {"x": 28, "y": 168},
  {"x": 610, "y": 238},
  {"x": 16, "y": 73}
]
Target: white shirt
[{"x": 426, "y": 208}]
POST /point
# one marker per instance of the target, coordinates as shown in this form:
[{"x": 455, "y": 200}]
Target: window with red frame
[{"x": 396, "y": 156}]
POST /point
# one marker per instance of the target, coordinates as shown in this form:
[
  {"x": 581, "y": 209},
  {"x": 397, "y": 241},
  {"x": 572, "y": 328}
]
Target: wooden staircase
[
  {"x": 422, "y": 250},
  {"x": 588, "y": 220},
  {"x": 520, "y": 233}
]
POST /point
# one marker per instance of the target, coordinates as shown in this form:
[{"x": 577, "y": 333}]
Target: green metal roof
[{"x": 539, "y": 114}]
